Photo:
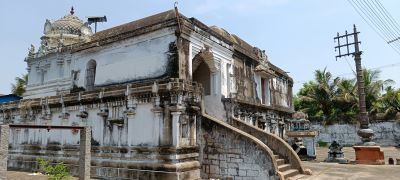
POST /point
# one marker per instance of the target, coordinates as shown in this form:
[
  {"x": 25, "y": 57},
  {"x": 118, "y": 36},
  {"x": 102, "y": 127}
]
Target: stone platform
[{"x": 369, "y": 155}]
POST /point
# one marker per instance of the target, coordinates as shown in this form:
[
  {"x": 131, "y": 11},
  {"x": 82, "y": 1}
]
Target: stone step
[
  {"x": 280, "y": 162},
  {"x": 290, "y": 173},
  {"x": 299, "y": 176},
  {"x": 276, "y": 156},
  {"x": 284, "y": 167}
]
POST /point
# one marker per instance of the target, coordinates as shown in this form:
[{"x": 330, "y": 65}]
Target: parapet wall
[
  {"x": 386, "y": 133},
  {"x": 227, "y": 154}
]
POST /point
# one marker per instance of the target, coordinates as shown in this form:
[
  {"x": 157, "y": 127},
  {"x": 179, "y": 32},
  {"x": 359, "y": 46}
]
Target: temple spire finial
[{"x": 72, "y": 10}]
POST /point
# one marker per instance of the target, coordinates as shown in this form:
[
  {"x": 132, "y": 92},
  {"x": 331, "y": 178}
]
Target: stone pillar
[
  {"x": 4, "y": 135},
  {"x": 158, "y": 115},
  {"x": 85, "y": 156},
  {"x": 176, "y": 131},
  {"x": 193, "y": 131}
]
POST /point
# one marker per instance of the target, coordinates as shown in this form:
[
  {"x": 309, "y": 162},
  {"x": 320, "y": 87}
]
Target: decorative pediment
[
  {"x": 206, "y": 56},
  {"x": 263, "y": 70}
]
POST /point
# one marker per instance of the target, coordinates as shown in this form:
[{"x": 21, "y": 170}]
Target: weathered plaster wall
[
  {"x": 223, "y": 61},
  {"x": 139, "y": 136},
  {"x": 138, "y": 58},
  {"x": 140, "y": 130},
  {"x": 386, "y": 133},
  {"x": 142, "y": 57},
  {"x": 225, "y": 154}
]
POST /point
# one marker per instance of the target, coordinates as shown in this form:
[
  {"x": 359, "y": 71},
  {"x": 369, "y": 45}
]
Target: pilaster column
[
  {"x": 4, "y": 135},
  {"x": 158, "y": 116},
  {"x": 176, "y": 131},
  {"x": 85, "y": 156}
]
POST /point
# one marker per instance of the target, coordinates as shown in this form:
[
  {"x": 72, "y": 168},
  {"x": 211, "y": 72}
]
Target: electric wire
[
  {"x": 383, "y": 22},
  {"x": 374, "y": 27},
  {"x": 387, "y": 18}
]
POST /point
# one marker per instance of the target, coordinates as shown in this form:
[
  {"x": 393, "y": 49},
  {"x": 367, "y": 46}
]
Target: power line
[
  {"x": 386, "y": 17},
  {"x": 383, "y": 21},
  {"x": 371, "y": 18},
  {"x": 348, "y": 63},
  {"x": 372, "y": 23},
  {"x": 390, "y": 17}
]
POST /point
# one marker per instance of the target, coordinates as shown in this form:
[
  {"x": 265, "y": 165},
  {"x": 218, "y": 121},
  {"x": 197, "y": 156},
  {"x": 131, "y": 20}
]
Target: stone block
[
  {"x": 238, "y": 178},
  {"x": 252, "y": 173},
  {"x": 214, "y": 169},
  {"x": 213, "y": 156},
  {"x": 223, "y": 171},
  {"x": 215, "y": 162},
  {"x": 233, "y": 165},
  {"x": 233, "y": 171},
  {"x": 236, "y": 160},
  {"x": 242, "y": 172},
  {"x": 222, "y": 157},
  {"x": 223, "y": 164}
]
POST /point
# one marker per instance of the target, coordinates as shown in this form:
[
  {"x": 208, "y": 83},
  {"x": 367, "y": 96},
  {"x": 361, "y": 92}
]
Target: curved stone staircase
[{"x": 287, "y": 163}]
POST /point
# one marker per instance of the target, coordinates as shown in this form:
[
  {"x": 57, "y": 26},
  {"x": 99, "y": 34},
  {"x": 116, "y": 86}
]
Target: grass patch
[{"x": 322, "y": 144}]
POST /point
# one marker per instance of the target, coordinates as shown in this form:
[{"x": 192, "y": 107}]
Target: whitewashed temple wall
[
  {"x": 221, "y": 83},
  {"x": 385, "y": 133},
  {"x": 142, "y": 129},
  {"x": 138, "y": 58}
]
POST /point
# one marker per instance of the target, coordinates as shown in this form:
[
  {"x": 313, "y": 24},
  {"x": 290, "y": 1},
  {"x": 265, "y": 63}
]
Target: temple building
[{"x": 166, "y": 97}]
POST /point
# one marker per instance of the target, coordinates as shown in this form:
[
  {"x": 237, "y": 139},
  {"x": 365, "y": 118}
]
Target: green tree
[
  {"x": 319, "y": 95},
  {"x": 373, "y": 87},
  {"x": 19, "y": 87},
  {"x": 345, "y": 101},
  {"x": 337, "y": 99},
  {"x": 392, "y": 99}
]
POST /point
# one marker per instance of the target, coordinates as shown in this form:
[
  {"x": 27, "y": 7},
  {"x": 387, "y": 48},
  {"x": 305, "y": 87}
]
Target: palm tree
[
  {"x": 306, "y": 106},
  {"x": 323, "y": 93},
  {"x": 373, "y": 86},
  {"x": 19, "y": 87},
  {"x": 346, "y": 100},
  {"x": 390, "y": 101}
]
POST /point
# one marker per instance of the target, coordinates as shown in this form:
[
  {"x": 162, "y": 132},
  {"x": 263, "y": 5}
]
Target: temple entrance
[
  {"x": 202, "y": 75},
  {"x": 203, "y": 69}
]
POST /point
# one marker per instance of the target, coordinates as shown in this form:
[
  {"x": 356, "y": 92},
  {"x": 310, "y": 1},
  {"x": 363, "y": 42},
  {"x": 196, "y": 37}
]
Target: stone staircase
[
  {"x": 286, "y": 170},
  {"x": 289, "y": 164}
]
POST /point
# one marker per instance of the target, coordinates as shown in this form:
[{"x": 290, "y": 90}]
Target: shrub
[
  {"x": 322, "y": 144},
  {"x": 58, "y": 171}
]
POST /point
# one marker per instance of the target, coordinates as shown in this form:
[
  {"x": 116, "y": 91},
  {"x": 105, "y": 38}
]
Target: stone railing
[
  {"x": 146, "y": 90},
  {"x": 277, "y": 144},
  {"x": 263, "y": 147}
]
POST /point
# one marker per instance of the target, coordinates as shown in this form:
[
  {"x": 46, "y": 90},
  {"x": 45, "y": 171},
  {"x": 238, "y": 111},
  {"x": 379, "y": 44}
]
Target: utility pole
[{"x": 365, "y": 133}]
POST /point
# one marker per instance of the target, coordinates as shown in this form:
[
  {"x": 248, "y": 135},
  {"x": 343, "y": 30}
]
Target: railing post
[
  {"x": 85, "y": 156},
  {"x": 4, "y": 135}
]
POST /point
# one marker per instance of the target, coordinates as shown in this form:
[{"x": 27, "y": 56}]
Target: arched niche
[
  {"x": 90, "y": 74},
  {"x": 203, "y": 68}
]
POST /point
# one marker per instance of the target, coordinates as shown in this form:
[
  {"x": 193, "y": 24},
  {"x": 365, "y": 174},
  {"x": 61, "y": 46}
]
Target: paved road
[{"x": 334, "y": 171}]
